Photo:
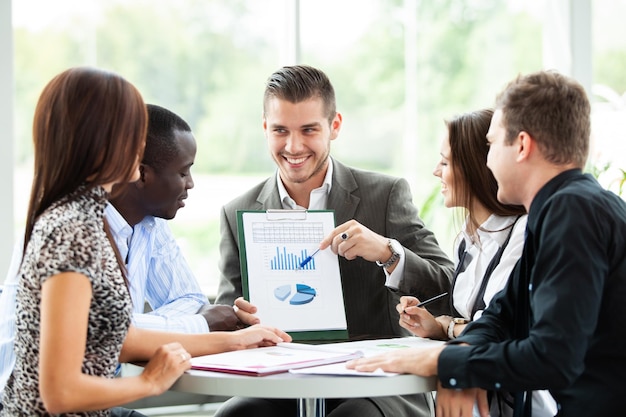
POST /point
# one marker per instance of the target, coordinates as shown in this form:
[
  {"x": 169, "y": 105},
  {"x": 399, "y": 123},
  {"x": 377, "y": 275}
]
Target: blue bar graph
[{"x": 285, "y": 261}]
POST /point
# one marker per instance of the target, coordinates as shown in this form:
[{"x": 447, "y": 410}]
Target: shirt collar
[
  {"x": 547, "y": 191},
  {"x": 119, "y": 226},
  {"x": 288, "y": 202},
  {"x": 489, "y": 230},
  {"x": 117, "y": 223}
]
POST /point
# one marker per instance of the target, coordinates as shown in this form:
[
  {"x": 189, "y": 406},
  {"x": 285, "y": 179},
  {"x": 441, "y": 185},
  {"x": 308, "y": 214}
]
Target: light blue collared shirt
[
  {"x": 7, "y": 317},
  {"x": 159, "y": 274}
]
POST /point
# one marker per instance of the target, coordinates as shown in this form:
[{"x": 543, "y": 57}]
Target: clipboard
[{"x": 304, "y": 301}]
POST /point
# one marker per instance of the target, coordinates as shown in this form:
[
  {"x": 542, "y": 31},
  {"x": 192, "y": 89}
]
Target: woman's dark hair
[
  {"x": 89, "y": 128},
  {"x": 468, "y": 153}
]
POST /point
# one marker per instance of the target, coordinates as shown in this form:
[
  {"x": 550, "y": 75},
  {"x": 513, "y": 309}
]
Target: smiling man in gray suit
[{"x": 385, "y": 250}]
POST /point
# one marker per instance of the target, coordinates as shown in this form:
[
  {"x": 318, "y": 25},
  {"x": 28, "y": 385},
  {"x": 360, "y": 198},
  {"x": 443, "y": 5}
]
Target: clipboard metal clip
[{"x": 285, "y": 214}]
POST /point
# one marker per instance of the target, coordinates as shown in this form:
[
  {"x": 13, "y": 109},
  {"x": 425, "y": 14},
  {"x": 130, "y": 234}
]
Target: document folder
[{"x": 272, "y": 359}]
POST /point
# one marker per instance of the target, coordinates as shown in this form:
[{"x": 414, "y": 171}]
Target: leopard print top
[{"x": 69, "y": 236}]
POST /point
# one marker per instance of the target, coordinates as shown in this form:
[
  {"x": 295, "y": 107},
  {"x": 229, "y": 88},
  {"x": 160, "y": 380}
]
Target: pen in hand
[
  {"x": 430, "y": 300},
  {"x": 307, "y": 260}
]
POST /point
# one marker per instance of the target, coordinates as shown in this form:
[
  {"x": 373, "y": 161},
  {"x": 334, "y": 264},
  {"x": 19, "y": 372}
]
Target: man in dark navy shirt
[{"x": 560, "y": 322}]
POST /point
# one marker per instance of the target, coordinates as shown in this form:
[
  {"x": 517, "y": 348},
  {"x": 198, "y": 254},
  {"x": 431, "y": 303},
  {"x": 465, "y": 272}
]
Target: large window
[
  {"x": 399, "y": 68},
  {"x": 608, "y": 154},
  {"x": 205, "y": 60}
]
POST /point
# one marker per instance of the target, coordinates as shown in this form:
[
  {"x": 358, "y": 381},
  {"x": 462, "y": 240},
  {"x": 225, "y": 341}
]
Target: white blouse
[{"x": 468, "y": 282}]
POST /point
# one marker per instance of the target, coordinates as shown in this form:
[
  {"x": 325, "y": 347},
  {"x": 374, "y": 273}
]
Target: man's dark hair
[
  {"x": 160, "y": 145},
  {"x": 299, "y": 83}
]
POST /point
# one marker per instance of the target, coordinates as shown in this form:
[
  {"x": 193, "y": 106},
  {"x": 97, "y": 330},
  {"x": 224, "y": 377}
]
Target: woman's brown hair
[
  {"x": 89, "y": 129},
  {"x": 468, "y": 154}
]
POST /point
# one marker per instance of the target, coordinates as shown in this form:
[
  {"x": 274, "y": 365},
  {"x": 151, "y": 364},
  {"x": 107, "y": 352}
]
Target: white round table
[{"x": 310, "y": 390}]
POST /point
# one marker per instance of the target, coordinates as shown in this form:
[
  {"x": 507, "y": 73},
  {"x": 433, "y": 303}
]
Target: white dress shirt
[
  {"x": 490, "y": 238},
  {"x": 318, "y": 201}
]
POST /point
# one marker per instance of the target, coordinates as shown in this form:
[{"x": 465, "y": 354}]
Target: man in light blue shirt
[{"x": 157, "y": 271}]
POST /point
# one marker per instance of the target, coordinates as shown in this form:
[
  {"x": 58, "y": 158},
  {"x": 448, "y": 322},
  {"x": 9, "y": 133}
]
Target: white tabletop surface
[{"x": 286, "y": 385}]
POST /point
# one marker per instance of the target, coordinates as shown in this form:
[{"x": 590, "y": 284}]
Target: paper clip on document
[{"x": 280, "y": 214}]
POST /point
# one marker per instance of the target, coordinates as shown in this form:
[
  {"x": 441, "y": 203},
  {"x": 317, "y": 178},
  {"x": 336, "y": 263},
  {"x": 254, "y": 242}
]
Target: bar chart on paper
[
  {"x": 299, "y": 236},
  {"x": 287, "y": 261}
]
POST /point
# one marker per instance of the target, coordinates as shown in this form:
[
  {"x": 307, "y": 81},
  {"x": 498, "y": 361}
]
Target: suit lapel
[
  {"x": 268, "y": 197},
  {"x": 341, "y": 197}
]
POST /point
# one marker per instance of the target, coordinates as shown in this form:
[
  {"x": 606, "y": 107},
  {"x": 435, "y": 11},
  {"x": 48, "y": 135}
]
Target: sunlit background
[{"x": 400, "y": 68}]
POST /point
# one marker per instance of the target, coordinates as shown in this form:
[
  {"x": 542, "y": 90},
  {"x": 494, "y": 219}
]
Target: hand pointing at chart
[{"x": 352, "y": 240}]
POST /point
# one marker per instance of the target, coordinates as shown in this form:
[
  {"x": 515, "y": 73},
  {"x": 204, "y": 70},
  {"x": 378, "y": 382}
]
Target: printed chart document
[
  {"x": 294, "y": 287},
  {"x": 273, "y": 359},
  {"x": 367, "y": 348}
]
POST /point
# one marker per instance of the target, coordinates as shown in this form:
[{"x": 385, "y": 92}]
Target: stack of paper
[
  {"x": 368, "y": 348},
  {"x": 273, "y": 359}
]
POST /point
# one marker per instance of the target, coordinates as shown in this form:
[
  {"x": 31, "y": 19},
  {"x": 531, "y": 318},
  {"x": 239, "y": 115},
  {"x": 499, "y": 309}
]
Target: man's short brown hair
[
  {"x": 554, "y": 110},
  {"x": 298, "y": 83}
]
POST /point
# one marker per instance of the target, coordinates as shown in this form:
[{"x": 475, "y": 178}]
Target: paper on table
[
  {"x": 376, "y": 346},
  {"x": 272, "y": 359},
  {"x": 368, "y": 348},
  {"x": 338, "y": 369}
]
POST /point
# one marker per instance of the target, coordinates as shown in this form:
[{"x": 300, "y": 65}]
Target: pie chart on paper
[{"x": 304, "y": 294}]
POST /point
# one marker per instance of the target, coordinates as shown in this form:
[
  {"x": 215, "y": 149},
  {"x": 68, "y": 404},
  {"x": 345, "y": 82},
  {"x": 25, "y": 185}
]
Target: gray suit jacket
[{"x": 383, "y": 204}]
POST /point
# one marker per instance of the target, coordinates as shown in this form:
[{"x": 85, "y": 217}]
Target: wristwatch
[
  {"x": 453, "y": 322},
  {"x": 396, "y": 248}
]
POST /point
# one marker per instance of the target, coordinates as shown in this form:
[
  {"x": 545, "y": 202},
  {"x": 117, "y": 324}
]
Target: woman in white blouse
[{"x": 487, "y": 248}]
